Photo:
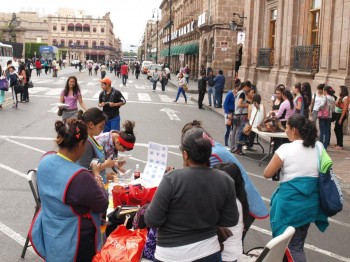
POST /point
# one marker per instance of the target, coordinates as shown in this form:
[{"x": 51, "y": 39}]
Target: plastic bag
[
  {"x": 123, "y": 245},
  {"x": 135, "y": 195}
]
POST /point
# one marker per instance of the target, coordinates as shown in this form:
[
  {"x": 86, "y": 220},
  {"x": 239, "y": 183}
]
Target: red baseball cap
[{"x": 106, "y": 80}]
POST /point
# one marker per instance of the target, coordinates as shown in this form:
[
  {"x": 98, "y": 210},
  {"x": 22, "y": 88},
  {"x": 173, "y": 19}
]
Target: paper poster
[{"x": 156, "y": 164}]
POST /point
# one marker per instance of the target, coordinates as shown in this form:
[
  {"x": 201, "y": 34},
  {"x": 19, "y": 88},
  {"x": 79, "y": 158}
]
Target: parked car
[
  {"x": 144, "y": 66},
  {"x": 151, "y": 70}
]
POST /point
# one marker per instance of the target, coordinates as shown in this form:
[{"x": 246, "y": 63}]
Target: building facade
[
  {"x": 201, "y": 36},
  {"x": 82, "y": 37},
  {"x": 296, "y": 41}
]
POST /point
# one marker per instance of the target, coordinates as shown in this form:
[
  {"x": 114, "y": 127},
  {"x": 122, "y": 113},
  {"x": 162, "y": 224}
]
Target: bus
[{"x": 6, "y": 54}]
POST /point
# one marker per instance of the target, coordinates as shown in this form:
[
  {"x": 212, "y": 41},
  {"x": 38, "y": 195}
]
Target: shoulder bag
[
  {"x": 331, "y": 197},
  {"x": 4, "y": 84},
  {"x": 185, "y": 87},
  {"x": 248, "y": 127},
  {"x": 323, "y": 112}
]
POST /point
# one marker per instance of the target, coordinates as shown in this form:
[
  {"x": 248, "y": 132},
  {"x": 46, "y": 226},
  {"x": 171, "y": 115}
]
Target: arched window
[
  {"x": 62, "y": 42},
  {"x": 78, "y": 42},
  {"x": 93, "y": 43},
  {"x": 70, "y": 27},
  {"x": 86, "y": 43},
  {"x": 102, "y": 30},
  {"x": 54, "y": 42},
  {"x": 70, "y": 42},
  {"x": 78, "y": 27},
  {"x": 102, "y": 43},
  {"x": 86, "y": 28}
]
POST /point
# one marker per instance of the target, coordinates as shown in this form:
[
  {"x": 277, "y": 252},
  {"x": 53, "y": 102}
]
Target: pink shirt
[
  {"x": 72, "y": 101},
  {"x": 285, "y": 106}
]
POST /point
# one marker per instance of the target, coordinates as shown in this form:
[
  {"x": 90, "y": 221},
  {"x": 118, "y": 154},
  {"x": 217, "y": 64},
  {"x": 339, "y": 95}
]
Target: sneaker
[
  {"x": 238, "y": 152},
  {"x": 251, "y": 149},
  {"x": 245, "y": 147},
  {"x": 227, "y": 148}
]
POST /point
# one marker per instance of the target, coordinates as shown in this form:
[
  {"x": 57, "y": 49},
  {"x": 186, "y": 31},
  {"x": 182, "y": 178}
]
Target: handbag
[
  {"x": 30, "y": 84},
  {"x": 60, "y": 111},
  {"x": 331, "y": 197},
  {"x": 185, "y": 87},
  {"x": 4, "y": 84},
  {"x": 18, "y": 88},
  {"x": 323, "y": 112},
  {"x": 248, "y": 127}
]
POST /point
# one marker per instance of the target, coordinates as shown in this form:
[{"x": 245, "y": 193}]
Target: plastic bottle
[{"x": 137, "y": 172}]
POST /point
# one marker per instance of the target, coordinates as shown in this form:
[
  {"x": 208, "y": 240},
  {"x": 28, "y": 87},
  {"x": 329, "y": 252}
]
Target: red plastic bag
[
  {"x": 122, "y": 245},
  {"x": 134, "y": 195}
]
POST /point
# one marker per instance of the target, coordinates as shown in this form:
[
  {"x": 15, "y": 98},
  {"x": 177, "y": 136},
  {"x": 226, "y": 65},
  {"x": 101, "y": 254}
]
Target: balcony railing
[
  {"x": 306, "y": 58},
  {"x": 266, "y": 57}
]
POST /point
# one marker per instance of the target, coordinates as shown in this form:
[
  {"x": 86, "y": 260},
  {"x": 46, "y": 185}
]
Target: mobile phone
[{"x": 94, "y": 161}]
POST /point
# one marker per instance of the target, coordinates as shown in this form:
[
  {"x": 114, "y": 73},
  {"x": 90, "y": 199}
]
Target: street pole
[
  {"x": 157, "y": 43},
  {"x": 170, "y": 23}
]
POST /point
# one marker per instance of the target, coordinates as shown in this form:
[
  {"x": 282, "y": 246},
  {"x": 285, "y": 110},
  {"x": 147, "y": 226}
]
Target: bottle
[{"x": 137, "y": 172}]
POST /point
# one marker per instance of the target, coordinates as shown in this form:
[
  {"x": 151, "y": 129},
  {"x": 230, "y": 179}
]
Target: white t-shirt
[
  {"x": 188, "y": 252},
  {"x": 298, "y": 161},
  {"x": 319, "y": 101},
  {"x": 233, "y": 245},
  {"x": 259, "y": 116}
]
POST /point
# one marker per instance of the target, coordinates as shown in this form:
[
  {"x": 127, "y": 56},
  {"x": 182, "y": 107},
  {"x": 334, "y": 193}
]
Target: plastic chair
[
  {"x": 274, "y": 250},
  {"x": 34, "y": 187}
]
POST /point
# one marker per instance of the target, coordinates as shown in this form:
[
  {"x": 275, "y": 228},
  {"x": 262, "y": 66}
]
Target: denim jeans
[
  {"x": 218, "y": 97},
  {"x": 296, "y": 245},
  {"x": 181, "y": 91},
  {"x": 227, "y": 134},
  {"x": 325, "y": 131},
  {"x": 103, "y": 74},
  {"x": 155, "y": 85},
  {"x": 124, "y": 78},
  {"x": 112, "y": 124},
  {"x": 211, "y": 92}
]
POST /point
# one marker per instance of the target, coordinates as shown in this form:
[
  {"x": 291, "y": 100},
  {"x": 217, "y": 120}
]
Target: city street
[{"x": 28, "y": 132}]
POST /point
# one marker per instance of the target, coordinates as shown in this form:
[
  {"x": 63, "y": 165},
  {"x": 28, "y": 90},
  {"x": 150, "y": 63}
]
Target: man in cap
[{"x": 110, "y": 100}]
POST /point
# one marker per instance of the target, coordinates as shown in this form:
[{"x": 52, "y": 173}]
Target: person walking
[
  {"x": 164, "y": 79},
  {"x": 296, "y": 202},
  {"x": 54, "y": 68},
  {"x": 124, "y": 70},
  {"x": 186, "y": 71},
  {"x": 155, "y": 78},
  {"x": 111, "y": 100},
  {"x": 2, "y": 92},
  {"x": 38, "y": 67},
  {"x": 327, "y": 103},
  {"x": 229, "y": 109},
  {"x": 13, "y": 81},
  {"x": 341, "y": 114},
  {"x": 46, "y": 67},
  {"x": 103, "y": 70},
  {"x": 23, "y": 80},
  {"x": 90, "y": 69},
  {"x": 211, "y": 88},
  {"x": 219, "y": 84},
  {"x": 180, "y": 90},
  {"x": 137, "y": 70},
  {"x": 70, "y": 96},
  {"x": 25, "y": 93},
  {"x": 202, "y": 88},
  {"x": 187, "y": 227},
  {"x": 72, "y": 200},
  {"x": 96, "y": 68}
]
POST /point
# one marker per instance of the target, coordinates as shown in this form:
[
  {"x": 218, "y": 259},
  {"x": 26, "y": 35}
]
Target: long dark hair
[
  {"x": 306, "y": 92},
  {"x": 306, "y": 128},
  {"x": 289, "y": 96},
  {"x": 69, "y": 134},
  {"x": 76, "y": 88},
  {"x": 235, "y": 173},
  {"x": 343, "y": 91},
  {"x": 93, "y": 114}
]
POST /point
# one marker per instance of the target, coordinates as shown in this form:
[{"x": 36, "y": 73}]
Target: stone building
[
  {"x": 200, "y": 35},
  {"x": 79, "y": 36},
  {"x": 23, "y": 27},
  {"x": 296, "y": 41}
]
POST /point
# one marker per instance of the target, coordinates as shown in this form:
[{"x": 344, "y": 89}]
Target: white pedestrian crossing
[
  {"x": 144, "y": 97},
  {"x": 126, "y": 95},
  {"x": 54, "y": 92},
  {"x": 36, "y": 90},
  {"x": 140, "y": 87},
  {"x": 165, "y": 98}
]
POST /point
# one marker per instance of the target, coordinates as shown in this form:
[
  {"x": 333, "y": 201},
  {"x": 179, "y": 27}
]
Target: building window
[
  {"x": 70, "y": 27},
  {"x": 54, "y": 28},
  {"x": 86, "y": 43},
  {"x": 315, "y": 22},
  {"x": 93, "y": 43},
  {"x": 62, "y": 42},
  {"x": 78, "y": 27},
  {"x": 70, "y": 42},
  {"x": 86, "y": 28},
  {"x": 54, "y": 42},
  {"x": 102, "y": 30},
  {"x": 102, "y": 43},
  {"x": 62, "y": 28},
  {"x": 94, "y": 29},
  {"x": 78, "y": 42},
  {"x": 272, "y": 37}
]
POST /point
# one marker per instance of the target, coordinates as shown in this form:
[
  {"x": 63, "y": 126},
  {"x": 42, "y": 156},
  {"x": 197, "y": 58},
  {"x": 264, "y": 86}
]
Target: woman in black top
[{"x": 190, "y": 203}]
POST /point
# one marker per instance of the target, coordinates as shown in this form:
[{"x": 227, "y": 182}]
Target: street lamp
[{"x": 155, "y": 10}]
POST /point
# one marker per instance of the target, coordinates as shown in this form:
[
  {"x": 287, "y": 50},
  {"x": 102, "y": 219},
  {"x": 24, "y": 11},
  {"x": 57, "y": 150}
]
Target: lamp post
[
  {"x": 170, "y": 23},
  {"x": 155, "y": 10}
]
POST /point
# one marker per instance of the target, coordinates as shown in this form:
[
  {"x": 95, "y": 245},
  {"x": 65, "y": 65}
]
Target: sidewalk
[{"x": 341, "y": 159}]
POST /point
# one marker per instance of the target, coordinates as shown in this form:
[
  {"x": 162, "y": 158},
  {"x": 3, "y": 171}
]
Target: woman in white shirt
[
  {"x": 317, "y": 102},
  {"x": 296, "y": 202},
  {"x": 256, "y": 114},
  {"x": 181, "y": 90},
  {"x": 233, "y": 245}
]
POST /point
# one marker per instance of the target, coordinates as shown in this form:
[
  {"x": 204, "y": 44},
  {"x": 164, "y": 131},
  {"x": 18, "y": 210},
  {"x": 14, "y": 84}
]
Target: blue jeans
[
  {"x": 155, "y": 85},
  {"x": 112, "y": 124},
  {"x": 187, "y": 79},
  {"x": 181, "y": 91},
  {"x": 211, "y": 92},
  {"x": 325, "y": 131},
  {"x": 296, "y": 245},
  {"x": 227, "y": 134},
  {"x": 124, "y": 78},
  {"x": 218, "y": 97},
  {"x": 2, "y": 96}
]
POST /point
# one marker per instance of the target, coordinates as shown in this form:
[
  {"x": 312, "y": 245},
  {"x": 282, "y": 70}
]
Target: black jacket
[{"x": 202, "y": 84}]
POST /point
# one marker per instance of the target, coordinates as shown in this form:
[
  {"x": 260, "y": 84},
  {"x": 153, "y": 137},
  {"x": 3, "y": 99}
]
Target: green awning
[{"x": 189, "y": 49}]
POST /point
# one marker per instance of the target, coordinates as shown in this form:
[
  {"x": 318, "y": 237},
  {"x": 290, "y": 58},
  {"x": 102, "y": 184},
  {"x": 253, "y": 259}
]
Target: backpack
[{"x": 97, "y": 67}]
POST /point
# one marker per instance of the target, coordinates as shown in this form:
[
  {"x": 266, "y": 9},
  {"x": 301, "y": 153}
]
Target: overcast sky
[{"x": 129, "y": 17}]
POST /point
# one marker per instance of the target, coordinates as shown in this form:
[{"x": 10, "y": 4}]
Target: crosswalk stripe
[
  {"x": 54, "y": 92},
  {"x": 165, "y": 98},
  {"x": 84, "y": 92},
  {"x": 96, "y": 95},
  {"x": 92, "y": 84},
  {"x": 140, "y": 87},
  {"x": 144, "y": 97},
  {"x": 37, "y": 90},
  {"x": 126, "y": 95},
  {"x": 59, "y": 82}
]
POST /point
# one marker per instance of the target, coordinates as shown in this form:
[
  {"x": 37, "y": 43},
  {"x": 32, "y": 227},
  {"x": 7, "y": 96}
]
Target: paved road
[{"x": 26, "y": 133}]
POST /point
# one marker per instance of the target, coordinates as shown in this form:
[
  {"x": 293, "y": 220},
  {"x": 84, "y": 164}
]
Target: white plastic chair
[
  {"x": 276, "y": 248},
  {"x": 34, "y": 188}
]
